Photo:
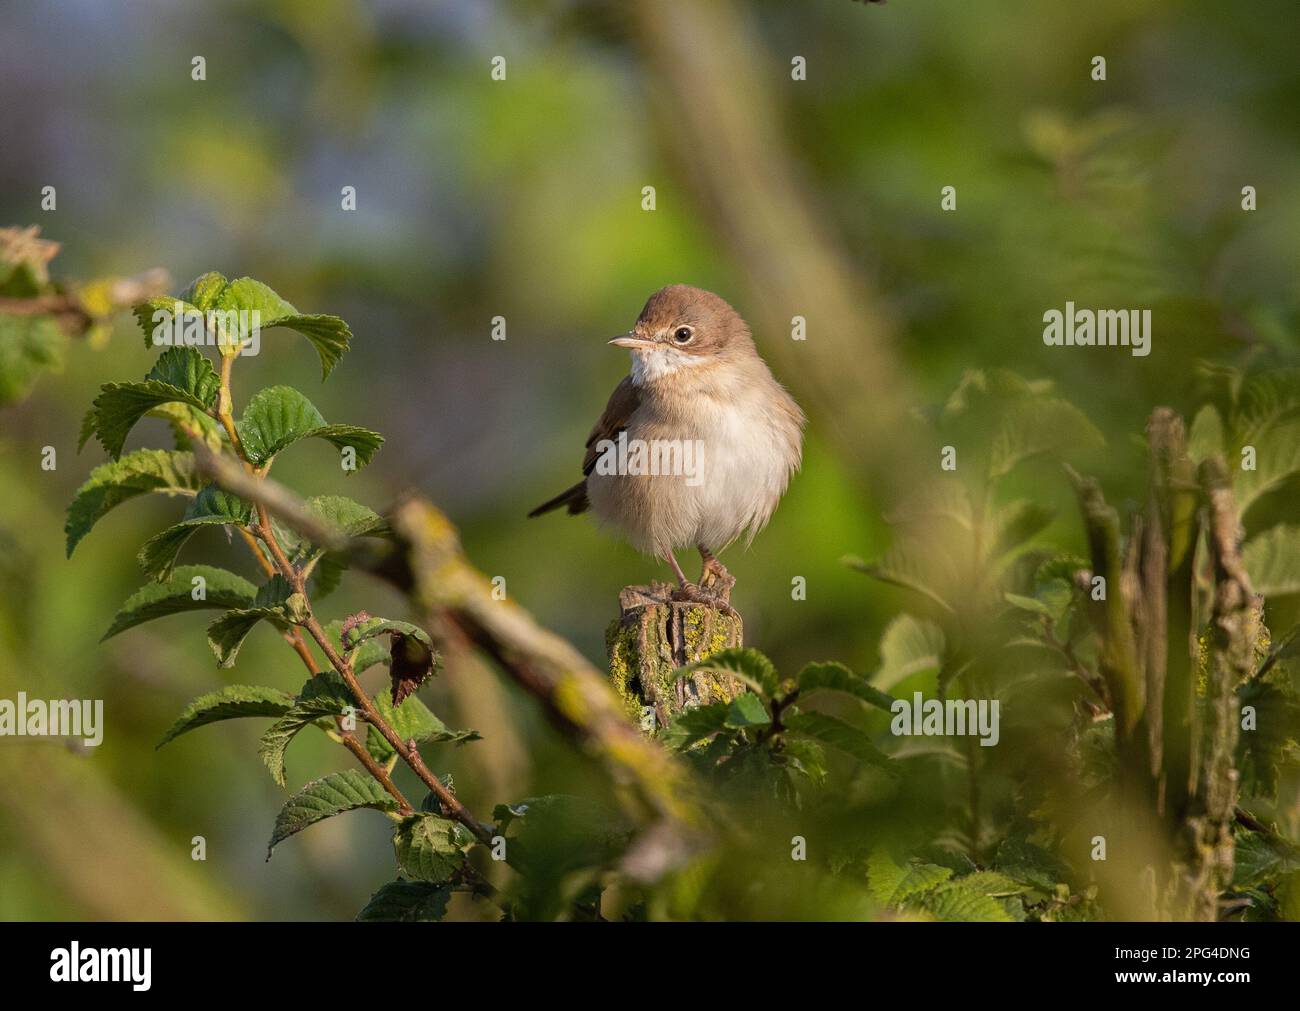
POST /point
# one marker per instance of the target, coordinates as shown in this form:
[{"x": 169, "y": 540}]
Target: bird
[{"x": 697, "y": 444}]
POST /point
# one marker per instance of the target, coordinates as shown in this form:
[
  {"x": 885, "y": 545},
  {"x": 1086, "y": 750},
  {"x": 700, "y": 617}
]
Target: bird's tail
[{"x": 575, "y": 498}]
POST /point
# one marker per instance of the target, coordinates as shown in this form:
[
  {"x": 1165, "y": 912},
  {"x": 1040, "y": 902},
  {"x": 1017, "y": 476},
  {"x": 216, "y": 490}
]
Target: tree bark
[{"x": 652, "y": 637}]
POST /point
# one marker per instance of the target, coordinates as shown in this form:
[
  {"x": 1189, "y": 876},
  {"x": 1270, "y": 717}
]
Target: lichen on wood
[{"x": 655, "y": 635}]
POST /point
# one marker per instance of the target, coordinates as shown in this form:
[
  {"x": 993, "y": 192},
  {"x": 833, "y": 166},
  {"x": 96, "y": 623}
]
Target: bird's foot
[
  {"x": 696, "y": 594},
  {"x": 715, "y": 578}
]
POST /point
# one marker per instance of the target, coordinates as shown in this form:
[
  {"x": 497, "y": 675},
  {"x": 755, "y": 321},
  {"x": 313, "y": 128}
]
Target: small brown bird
[{"x": 696, "y": 445}]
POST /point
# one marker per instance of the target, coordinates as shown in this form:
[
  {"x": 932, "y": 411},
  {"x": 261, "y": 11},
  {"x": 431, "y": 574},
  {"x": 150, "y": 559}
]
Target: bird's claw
[{"x": 694, "y": 593}]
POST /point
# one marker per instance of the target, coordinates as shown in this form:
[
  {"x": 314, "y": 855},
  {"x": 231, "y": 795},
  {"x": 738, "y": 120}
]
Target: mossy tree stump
[{"x": 652, "y": 637}]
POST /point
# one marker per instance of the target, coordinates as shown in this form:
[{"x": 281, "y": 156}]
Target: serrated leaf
[
  {"x": 411, "y": 720},
  {"x": 838, "y": 734},
  {"x": 1272, "y": 559},
  {"x": 171, "y": 308},
  {"x": 893, "y": 884},
  {"x": 222, "y": 589},
  {"x": 230, "y": 703},
  {"x": 963, "y": 900},
  {"x": 1258, "y": 858},
  {"x": 835, "y": 677},
  {"x": 137, "y": 473},
  {"x": 279, "y": 416},
  {"x": 350, "y": 790},
  {"x": 205, "y": 290},
  {"x": 329, "y": 335},
  {"x": 745, "y": 662},
  {"x": 325, "y": 695},
  {"x": 211, "y": 507},
  {"x": 275, "y": 601},
  {"x": 407, "y": 902},
  {"x": 181, "y": 375},
  {"x": 428, "y": 848}
]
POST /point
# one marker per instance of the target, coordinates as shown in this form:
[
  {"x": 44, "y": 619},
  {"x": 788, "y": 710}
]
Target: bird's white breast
[{"x": 746, "y": 452}]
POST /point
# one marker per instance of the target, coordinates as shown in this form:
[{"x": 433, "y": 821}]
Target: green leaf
[
  {"x": 222, "y": 589},
  {"x": 407, "y": 902},
  {"x": 211, "y": 507},
  {"x": 428, "y": 848},
  {"x": 1258, "y": 859},
  {"x": 695, "y": 724},
  {"x": 1017, "y": 522},
  {"x": 146, "y": 312},
  {"x": 350, "y": 519},
  {"x": 349, "y": 790},
  {"x": 835, "y": 677},
  {"x": 747, "y": 663},
  {"x": 205, "y": 290},
  {"x": 1040, "y": 426},
  {"x": 966, "y": 900},
  {"x": 29, "y": 346},
  {"x": 900, "y": 566},
  {"x": 1272, "y": 560},
  {"x": 1266, "y": 399},
  {"x": 1029, "y": 604},
  {"x": 323, "y": 696},
  {"x": 230, "y": 703},
  {"x": 411, "y": 720},
  {"x": 137, "y": 473},
  {"x": 279, "y": 416},
  {"x": 366, "y": 656},
  {"x": 329, "y": 335},
  {"x": 838, "y": 734},
  {"x": 1277, "y": 459},
  {"x": 275, "y": 601},
  {"x": 189, "y": 424},
  {"x": 747, "y": 710},
  {"x": 908, "y": 646},
  {"x": 181, "y": 375},
  {"x": 1205, "y": 438},
  {"x": 893, "y": 884}
]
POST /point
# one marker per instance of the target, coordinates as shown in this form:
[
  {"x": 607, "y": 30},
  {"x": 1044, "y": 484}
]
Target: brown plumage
[{"x": 697, "y": 383}]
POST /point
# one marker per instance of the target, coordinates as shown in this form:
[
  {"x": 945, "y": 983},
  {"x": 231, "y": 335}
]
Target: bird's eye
[{"x": 683, "y": 335}]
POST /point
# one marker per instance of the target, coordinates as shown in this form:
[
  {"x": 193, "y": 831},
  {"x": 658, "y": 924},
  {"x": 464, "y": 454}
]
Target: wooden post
[{"x": 652, "y": 637}]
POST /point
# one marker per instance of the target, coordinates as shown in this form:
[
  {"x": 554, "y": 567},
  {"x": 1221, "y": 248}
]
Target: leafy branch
[{"x": 221, "y": 465}]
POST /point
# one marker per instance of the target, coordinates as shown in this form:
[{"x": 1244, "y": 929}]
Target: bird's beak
[{"x": 628, "y": 341}]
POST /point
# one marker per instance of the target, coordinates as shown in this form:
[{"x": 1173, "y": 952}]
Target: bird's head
[{"x": 682, "y": 326}]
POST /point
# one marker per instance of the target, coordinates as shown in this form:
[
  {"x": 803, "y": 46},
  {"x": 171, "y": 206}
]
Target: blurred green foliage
[{"x": 521, "y": 199}]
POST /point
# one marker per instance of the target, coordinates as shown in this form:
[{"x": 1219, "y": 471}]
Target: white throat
[{"x": 651, "y": 364}]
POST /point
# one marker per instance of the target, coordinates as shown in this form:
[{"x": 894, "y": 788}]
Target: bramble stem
[{"x": 264, "y": 531}]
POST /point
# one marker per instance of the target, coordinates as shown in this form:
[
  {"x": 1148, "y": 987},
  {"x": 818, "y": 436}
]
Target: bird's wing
[{"x": 625, "y": 399}]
